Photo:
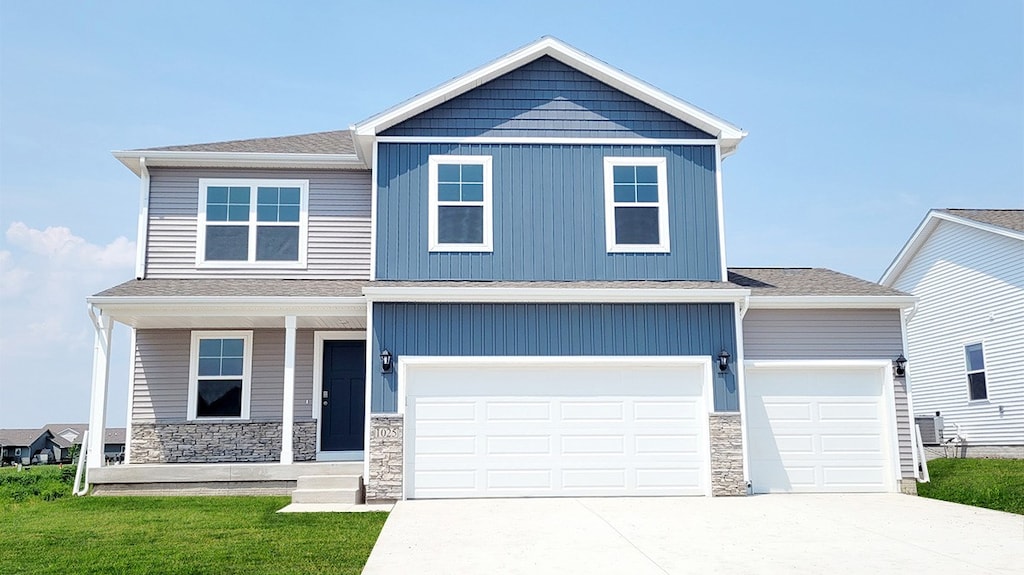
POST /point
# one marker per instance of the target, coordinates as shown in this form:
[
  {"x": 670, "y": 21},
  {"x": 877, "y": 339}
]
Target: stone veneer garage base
[
  {"x": 726, "y": 454},
  {"x": 203, "y": 442}
]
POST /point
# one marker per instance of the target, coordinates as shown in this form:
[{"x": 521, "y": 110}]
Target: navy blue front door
[{"x": 343, "y": 410}]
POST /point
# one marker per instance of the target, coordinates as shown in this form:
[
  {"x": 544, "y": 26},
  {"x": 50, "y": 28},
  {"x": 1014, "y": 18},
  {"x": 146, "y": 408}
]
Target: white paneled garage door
[
  {"x": 480, "y": 428},
  {"x": 818, "y": 429}
]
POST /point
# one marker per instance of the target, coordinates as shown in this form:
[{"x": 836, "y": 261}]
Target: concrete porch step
[{"x": 322, "y": 489}]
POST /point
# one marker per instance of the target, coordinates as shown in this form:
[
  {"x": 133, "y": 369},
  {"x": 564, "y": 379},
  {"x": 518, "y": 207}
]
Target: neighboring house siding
[
  {"x": 549, "y": 215},
  {"x": 552, "y": 330},
  {"x": 545, "y": 98},
  {"x": 339, "y": 224},
  {"x": 971, "y": 288},
  {"x": 832, "y": 334},
  {"x": 160, "y": 393}
]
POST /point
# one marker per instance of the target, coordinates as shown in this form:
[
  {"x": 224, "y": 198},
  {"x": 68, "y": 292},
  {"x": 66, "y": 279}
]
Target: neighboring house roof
[
  {"x": 20, "y": 437},
  {"x": 332, "y": 149},
  {"x": 728, "y": 134},
  {"x": 1009, "y": 223},
  {"x": 111, "y": 434}
]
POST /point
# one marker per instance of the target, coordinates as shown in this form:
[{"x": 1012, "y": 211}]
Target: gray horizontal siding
[
  {"x": 160, "y": 393},
  {"x": 338, "y": 230},
  {"x": 548, "y": 215},
  {"x": 545, "y": 98},
  {"x": 822, "y": 334},
  {"x": 552, "y": 330}
]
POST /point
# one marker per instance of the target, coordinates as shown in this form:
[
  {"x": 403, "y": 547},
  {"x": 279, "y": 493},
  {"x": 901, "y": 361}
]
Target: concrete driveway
[{"x": 762, "y": 534}]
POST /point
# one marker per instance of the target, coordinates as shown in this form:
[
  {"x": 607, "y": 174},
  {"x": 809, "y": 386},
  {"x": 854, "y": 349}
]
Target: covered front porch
[{"x": 241, "y": 385}]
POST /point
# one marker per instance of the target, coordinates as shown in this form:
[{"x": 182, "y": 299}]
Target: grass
[
  {"x": 38, "y": 483},
  {"x": 990, "y": 483},
  {"x": 190, "y": 535}
]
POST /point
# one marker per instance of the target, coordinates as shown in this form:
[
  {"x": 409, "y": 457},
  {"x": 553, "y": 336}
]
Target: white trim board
[
  {"x": 546, "y": 140},
  {"x": 552, "y": 295},
  {"x": 192, "y": 159}
]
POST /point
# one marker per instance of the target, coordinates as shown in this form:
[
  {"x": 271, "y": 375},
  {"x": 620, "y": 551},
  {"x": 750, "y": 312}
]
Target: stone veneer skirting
[
  {"x": 387, "y": 433},
  {"x": 726, "y": 437},
  {"x": 209, "y": 442}
]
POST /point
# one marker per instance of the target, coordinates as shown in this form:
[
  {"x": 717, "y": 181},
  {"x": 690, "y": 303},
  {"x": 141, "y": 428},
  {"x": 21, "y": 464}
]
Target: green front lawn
[
  {"x": 992, "y": 483},
  {"x": 175, "y": 534}
]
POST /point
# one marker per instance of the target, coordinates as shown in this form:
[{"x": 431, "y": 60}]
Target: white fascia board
[
  {"x": 832, "y": 302},
  {"x": 184, "y": 159},
  {"x": 552, "y": 295},
  {"x": 136, "y": 307},
  {"x": 547, "y": 46}
]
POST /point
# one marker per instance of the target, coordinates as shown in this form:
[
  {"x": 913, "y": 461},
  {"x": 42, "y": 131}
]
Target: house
[
  {"x": 68, "y": 435},
  {"x": 514, "y": 284},
  {"x": 964, "y": 337},
  {"x": 20, "y": 445}
]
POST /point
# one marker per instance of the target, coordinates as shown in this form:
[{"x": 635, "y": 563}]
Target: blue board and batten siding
[
  {"x": 548, "y": 215},
  {"x": 408, "y": 329},
  {"x": 546, "y": 98}
]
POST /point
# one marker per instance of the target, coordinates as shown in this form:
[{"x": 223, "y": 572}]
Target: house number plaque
[{"x": 385, "y": 432}]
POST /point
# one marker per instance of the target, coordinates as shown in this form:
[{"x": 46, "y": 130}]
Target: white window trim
[
  {"x": 433, "y": 203},
  {"x": 303, "y": 223},
  {"x": 609, "y": 205},
  {"x": 193, "y": 373},
  {"x": 968, "y": 371}
]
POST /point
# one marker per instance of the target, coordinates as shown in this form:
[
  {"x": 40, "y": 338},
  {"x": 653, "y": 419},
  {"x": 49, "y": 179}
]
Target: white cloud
[{"x": 46, "y": 344}]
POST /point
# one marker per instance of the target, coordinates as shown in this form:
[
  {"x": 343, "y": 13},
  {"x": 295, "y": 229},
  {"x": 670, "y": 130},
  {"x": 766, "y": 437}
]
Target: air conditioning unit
[{"x": 931, "y": 428}]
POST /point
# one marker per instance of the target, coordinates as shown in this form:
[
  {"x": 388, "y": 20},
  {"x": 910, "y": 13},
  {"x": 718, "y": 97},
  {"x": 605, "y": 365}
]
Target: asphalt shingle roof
[
  {"x": 20, "y": 437},
  {"x": 336, "y": 142},
  {"x": 761, "y": 282},
  {"x": 1009, "y": 219}
]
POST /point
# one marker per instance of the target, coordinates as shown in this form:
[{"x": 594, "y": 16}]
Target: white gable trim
[
  {"x": 729, "y": 135},
  {"x": 924, "y": 231}
]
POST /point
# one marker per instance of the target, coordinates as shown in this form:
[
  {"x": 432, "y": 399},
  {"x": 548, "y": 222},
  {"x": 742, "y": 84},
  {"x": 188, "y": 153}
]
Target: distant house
[
  {"x": 68, "y": 435},
  {"x": 966, "y": 334},
  {"x": 19, "y": 445}
]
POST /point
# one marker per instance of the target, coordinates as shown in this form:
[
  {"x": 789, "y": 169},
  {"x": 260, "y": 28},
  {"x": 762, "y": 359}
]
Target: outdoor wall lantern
[
  {"x": 385, "y": 361},
  {"x": 899, "y": 366},
  {"x": 723, "y": 361}
]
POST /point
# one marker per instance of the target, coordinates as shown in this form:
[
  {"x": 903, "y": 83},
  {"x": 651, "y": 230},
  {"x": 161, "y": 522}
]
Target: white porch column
[
  {"x": 288, "y": 411},
  {"x": 100, "y": 381}
]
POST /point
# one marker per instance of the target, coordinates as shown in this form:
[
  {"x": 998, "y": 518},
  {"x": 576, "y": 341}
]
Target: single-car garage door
[
  {"x": 818, "y": 429},
  {"x": 587, "y": 427}
]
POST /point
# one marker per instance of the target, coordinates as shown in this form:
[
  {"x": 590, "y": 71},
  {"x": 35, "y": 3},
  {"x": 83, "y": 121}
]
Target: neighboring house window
[
  {"x": 976, "y": 387},
  {"x": 252, "y": 223},
  {"x": 460, "y": 204},
  {"x": 636, "y": 204},
  {"x": 219, "y": 375}
]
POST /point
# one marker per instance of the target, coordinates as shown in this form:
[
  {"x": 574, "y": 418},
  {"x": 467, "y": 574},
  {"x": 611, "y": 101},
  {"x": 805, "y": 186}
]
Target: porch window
[
  {"x": 976, "y": 387},
  {"x": 252, "y": 223},
  {"x": 460, "y": 204},
  {"x": 220, "y": 372},
  {"x": 636, "y": 205}
]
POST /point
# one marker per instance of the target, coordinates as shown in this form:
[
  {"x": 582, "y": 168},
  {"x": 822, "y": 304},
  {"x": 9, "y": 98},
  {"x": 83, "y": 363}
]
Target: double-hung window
[
  {"x": 977, "y": 389},
  {"x": 252, "y": 223},
  {"x": 460, "y": 204},
  {"x": 636, "y": 205},
  {"x": 219, "y": 375}
]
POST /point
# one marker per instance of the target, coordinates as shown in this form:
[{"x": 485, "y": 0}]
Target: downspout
[
  {"x": 143, "y": 232},
  {"x": 741, "y": 312}
]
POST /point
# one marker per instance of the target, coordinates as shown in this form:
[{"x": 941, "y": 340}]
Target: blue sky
[{"x": 862, "y": 116}]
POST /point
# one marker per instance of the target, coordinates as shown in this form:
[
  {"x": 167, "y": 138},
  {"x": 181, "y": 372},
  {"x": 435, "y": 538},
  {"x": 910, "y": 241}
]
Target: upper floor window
[
  {"x": 460, "y": 204},
  {"x": 258, "y": 223},
  {"x": 219, "y": 374},
  {"x": 976, "y": 386},
  {"x": 636, "y": 204}
]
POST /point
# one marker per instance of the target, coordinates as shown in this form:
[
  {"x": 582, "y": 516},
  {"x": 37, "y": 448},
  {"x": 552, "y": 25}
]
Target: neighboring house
[
  {"x": 514, "y": 284},
  {"x": 965, "y": 337},
  {"x": 68, "y": 435},
  {"x": 19, "y": 445}
]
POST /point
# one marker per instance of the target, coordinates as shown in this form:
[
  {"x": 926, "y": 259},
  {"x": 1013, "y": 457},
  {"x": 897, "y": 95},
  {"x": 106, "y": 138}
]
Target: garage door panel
[
  {"x": 817, "y": 430},
  {"x": 567, "y": 440}
]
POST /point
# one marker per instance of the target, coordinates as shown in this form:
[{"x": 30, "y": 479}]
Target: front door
[{"x": 343, "y": 411}]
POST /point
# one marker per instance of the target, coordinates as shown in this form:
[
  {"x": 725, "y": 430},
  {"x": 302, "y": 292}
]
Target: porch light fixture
[
  {"x": 899, "y": 366},
  {"x": 385, "y": 361},
  {"x": 723, "y": 361}
]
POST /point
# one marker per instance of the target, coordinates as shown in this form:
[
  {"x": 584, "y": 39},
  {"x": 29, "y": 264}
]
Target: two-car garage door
[
  {"x": 597, "y": 427},
  {"x": 818, "y": 428}
]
